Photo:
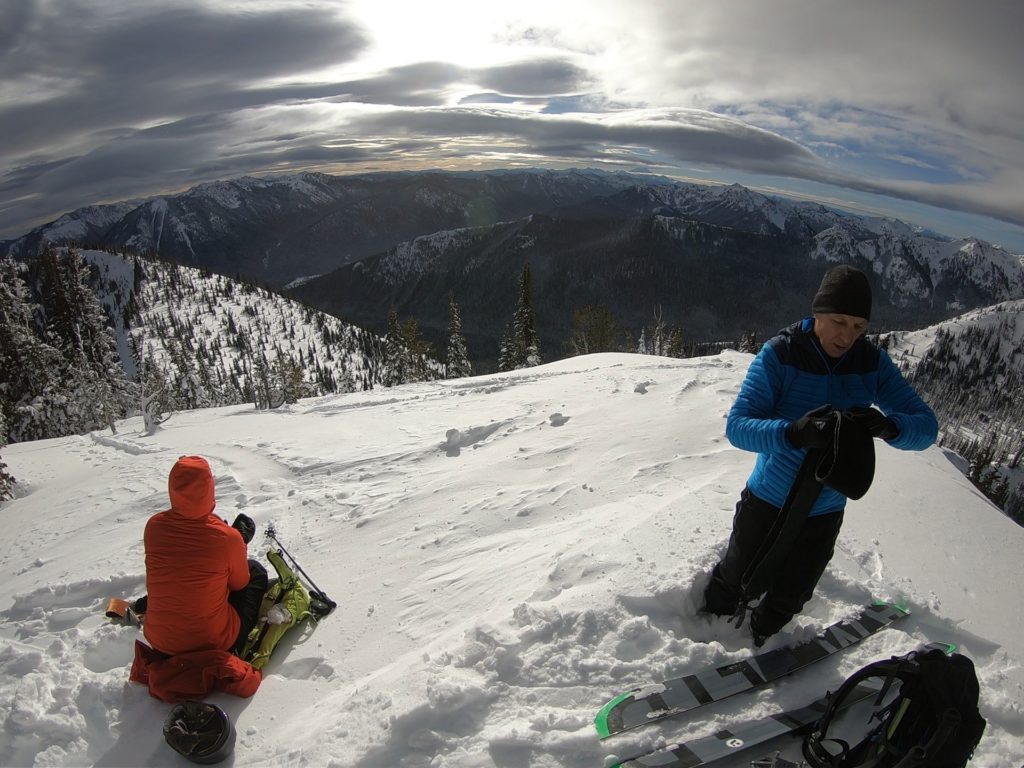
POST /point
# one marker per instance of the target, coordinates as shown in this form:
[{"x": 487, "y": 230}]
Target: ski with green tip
[
  {"x": 708, "y": 750},
  {"x": 650, "y": 703},
  {"x": 726, "y": 743}
]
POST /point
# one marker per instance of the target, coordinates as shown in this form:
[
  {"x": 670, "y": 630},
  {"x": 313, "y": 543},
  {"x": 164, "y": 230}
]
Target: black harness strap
[{"x": 783, "y": 534}]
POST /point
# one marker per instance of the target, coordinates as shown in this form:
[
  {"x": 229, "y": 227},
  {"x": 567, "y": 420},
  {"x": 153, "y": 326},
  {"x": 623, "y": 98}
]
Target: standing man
[
  {"x": 781, "y": 413},
  {"x": 204, "y": 593}
]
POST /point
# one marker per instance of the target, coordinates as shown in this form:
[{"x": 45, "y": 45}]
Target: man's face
[{"x": 836, "y": 333}]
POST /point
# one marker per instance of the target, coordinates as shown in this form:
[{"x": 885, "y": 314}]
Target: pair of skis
[{"x": 652, "y": 703}]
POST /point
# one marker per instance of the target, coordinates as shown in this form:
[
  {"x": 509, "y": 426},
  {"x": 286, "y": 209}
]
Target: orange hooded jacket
[{"x": 193, "y": 560}]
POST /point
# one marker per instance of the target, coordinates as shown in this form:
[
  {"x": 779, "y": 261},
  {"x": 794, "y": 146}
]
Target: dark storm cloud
[
  {"x": 172, "y": 44},
  {"x": 687, "y": 136},
  {"x": 428, "y": 83},
  {"x": 16, "y": 17},
  {"x": 104, "y": 100},
  {"x": 534, "y": 78},
  {"x": 135, "y": 65}
]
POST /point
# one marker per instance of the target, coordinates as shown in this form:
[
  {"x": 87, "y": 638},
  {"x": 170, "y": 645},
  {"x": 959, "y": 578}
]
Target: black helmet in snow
[{"x": 201, "y": 732}]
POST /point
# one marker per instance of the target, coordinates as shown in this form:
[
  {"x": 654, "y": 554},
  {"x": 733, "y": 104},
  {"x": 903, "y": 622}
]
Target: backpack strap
[
  {"x": 917, "y": 754},
  {"x": 783, "y": 534},
  {"x": 813, "y": 748}
]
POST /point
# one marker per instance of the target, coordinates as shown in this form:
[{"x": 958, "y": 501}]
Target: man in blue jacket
[{"x": 824, "y": 360}]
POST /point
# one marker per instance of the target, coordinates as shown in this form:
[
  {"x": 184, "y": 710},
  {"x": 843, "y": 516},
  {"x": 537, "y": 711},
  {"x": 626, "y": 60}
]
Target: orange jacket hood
[{"x": 191, "y": 487}]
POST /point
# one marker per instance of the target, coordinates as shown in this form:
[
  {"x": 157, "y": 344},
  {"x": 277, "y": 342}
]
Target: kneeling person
[{"x": 204, "y": 592}]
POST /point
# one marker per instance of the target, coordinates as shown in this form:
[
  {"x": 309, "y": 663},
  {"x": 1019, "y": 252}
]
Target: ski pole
[{"x": 319, "y": 594}]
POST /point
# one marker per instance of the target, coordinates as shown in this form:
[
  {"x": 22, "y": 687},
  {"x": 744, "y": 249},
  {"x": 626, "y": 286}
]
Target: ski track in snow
[{"x": 508, "y": 552}]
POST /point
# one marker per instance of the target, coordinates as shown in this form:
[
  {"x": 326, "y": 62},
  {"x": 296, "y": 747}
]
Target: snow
[
  {"x": 508, "y": 552},
  {"x": 75, "y": 225},
  {"x": 422, "y": 254},
  {"x": 1007, "y": 316}
]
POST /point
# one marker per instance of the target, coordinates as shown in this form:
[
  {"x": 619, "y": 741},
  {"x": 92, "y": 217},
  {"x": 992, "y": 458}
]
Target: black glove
[
  {"x": 812, "y": 430},
  {"x": 245, "y": 526},
  {"x": 875, "y": 422}
]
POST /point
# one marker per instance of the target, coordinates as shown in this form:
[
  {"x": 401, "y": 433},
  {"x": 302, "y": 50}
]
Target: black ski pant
[
  {"x": 247, "y": 601},
  {"x": 799, "y": 573}
]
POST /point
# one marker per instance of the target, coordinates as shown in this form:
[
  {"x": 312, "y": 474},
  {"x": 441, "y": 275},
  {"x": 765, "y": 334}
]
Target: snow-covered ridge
[
  {"x": 228, "y": 325},
  {"x": 915, "y": 267},
  {"x": 508, "y": 553},
  {"x": 1006, "y": 317},
  {"x": 971, "y": 370},
  {"x": 310, "y": 188},
  {"x": 421, "y": 255},
  {"x": 80, "y": 223}
]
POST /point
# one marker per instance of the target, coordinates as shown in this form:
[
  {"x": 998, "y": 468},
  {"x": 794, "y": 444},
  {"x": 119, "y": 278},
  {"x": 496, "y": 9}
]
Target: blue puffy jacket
[{"x": 792, "y": 375}]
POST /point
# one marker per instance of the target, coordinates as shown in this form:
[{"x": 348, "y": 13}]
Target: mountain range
[
  {"x": 667, "y": 250},
  {"x": 714, "y": 261},
  {"x": 279, "y": 229}
]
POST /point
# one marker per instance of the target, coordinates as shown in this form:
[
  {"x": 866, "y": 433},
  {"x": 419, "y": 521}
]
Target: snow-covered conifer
[
  {"x": 457, "y": 363},
  {"x": 96, "y": 390},
  {"x": 394, "y": 352},
  {"x": 31, "y": 381},
  {"x": 6, "y": 479},
  {"x": 524, "y": 323}
]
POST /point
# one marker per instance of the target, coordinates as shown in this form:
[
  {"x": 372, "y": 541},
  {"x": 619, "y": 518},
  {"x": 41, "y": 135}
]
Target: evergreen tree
[
  {"x": 186, "y": 390},
  {"x": 1018, "y": 454},
  {"x": 595, "y": 329},
  {"x": 457, "y": 364},
  {"x": 676, "y": 348},
  {"x": 981, "y": 458},
  {"x": 153, "y": 395},
  {"x": 6, "y": 479},
  {"x": 1015, "y": 505},
  {"x": 749, "y": 343},
  {"x": 417, "y": 352},
  {"x": 527, "y": 352},
  {"x": 32, "y": 399},
  {"x": 507, "y": 348},
  {"x": 406, "y": 354},
  {"x": 154, "y": 401},
  {"x": 96, "y": 388},
  {"x": 290, "y": 379},
  {"x": 266, "y": 391},
  {"x": 395, "y": 362},
  {"x": 641, "y": 344},
  {"x": 1000, "y": 490},
  {"x": 520, "y": 347}
]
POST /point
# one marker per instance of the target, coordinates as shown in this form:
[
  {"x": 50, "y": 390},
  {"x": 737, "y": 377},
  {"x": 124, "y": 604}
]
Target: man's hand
[
  {"x": 875, "y": 422},
  {"x": 245, "y": 526},
  {"x": 812, "y": 430}
]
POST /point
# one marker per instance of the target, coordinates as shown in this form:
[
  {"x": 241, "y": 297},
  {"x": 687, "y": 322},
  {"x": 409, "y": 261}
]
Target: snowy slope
[
  {"x": 507, "y": 551},
  {"x": 228, "y": 324},
  {"x": 916, "y": 267},
  {"x": 1006, "y": 318}
]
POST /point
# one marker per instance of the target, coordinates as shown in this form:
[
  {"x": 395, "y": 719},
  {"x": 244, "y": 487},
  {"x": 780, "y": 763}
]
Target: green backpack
[{"x": 285, "y": 604}]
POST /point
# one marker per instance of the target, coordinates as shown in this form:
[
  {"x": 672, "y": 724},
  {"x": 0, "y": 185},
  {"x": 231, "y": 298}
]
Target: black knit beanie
[{"x": 844, "y": 291}]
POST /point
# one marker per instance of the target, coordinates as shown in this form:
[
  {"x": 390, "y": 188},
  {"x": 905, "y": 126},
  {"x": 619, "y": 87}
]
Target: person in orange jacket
[{"x": 204, "y": 592}]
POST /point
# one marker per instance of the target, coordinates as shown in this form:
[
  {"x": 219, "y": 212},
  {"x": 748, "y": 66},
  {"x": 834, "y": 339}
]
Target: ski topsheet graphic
[
  {"x": 708, "y": 749},
  {"x": 651, "y": 703}
]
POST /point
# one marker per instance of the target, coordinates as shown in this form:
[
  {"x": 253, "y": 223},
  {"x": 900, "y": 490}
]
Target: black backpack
[{"x": 933, "y": 721}]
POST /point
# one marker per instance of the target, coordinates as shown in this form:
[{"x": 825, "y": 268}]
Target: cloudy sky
[{"x": 911, "y": 108}]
